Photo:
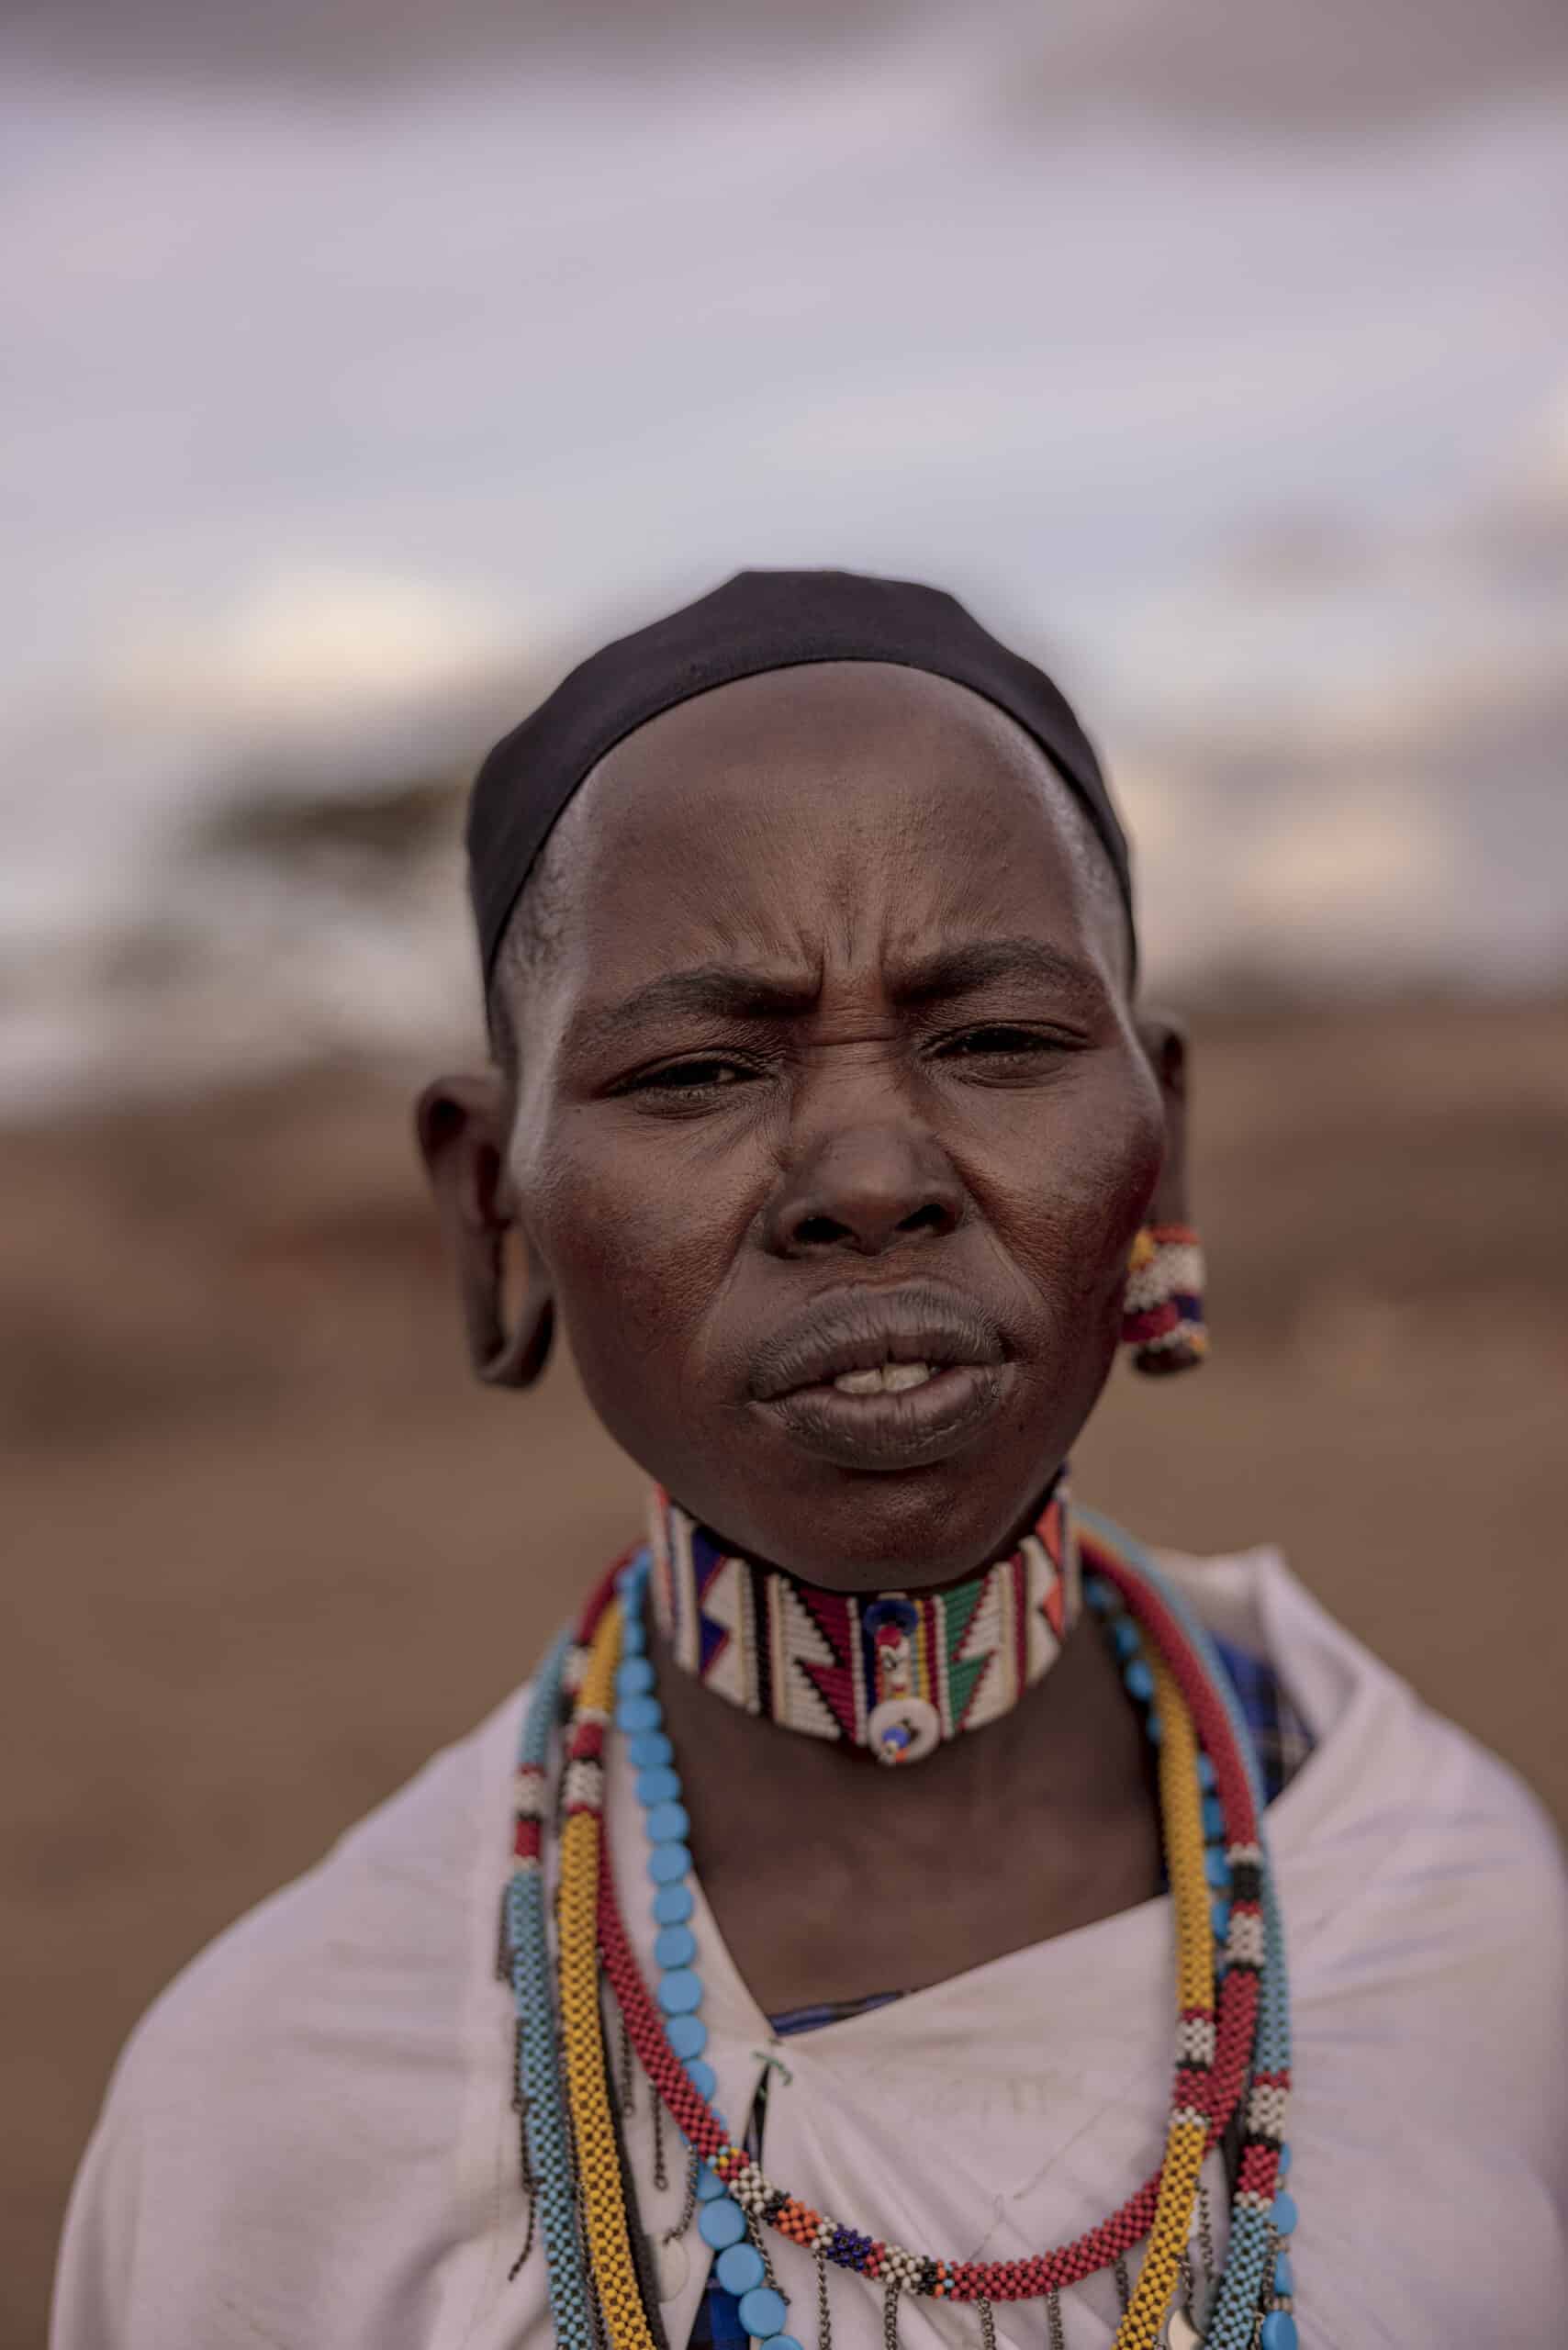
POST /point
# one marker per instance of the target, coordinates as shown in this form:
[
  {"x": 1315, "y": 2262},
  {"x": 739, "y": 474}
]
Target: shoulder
[{"x": 336, "y": 2017}]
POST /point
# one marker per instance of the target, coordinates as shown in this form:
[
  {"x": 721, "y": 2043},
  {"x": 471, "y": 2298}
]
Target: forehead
[{"x": 843, "y": 810}]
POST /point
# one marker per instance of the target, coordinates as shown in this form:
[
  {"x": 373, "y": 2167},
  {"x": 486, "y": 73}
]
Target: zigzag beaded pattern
[{"x": 1010, "y": 2280}]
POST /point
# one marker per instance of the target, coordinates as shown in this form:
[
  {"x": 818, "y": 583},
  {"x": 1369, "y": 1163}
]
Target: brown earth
[{"x": 267, "y": 1548}]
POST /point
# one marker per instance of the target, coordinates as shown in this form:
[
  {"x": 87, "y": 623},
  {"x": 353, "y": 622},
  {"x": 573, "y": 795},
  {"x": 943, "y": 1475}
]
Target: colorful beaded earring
[{"x": 1162, "y": 1312}]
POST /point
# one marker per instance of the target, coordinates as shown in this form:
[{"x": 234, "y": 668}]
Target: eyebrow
[{"x": 729, "y": 992}]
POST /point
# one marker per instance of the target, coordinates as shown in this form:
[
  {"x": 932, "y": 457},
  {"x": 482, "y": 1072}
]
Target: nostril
[
  {"x": 819, "y": 1229},
  {"x": 932, "y": 1218}
]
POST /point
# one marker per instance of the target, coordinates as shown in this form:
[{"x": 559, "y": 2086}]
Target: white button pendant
[
  {"x": 902, "y": 1729},
  {"x": 1180, "y": 2333},
  {"x": 674, "y": 2263}
]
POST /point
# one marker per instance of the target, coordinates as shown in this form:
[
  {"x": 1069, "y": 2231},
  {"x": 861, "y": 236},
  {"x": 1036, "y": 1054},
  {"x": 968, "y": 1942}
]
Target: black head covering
[{"x": 758, "y": 621}]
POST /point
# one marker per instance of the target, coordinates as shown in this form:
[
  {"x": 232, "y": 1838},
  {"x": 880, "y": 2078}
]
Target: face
[{"x": 832, "y": 1129}]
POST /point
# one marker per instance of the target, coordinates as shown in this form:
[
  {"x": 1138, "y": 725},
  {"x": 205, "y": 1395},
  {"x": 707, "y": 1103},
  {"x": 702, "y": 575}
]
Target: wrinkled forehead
[{"x": 851, "y": 799}]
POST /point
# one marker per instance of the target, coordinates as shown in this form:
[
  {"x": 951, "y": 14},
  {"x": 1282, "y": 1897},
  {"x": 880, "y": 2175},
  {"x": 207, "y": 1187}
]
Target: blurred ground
[{"x": 267, "y": 1548}]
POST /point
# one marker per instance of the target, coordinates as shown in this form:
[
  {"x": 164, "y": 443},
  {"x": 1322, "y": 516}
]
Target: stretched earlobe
[
  {"x": 458, "y": 1121},
  {"x": 1164, "y": 1322}
]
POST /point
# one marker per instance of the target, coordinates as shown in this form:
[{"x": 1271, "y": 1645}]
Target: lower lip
[{"x": 906, "y": 1430}]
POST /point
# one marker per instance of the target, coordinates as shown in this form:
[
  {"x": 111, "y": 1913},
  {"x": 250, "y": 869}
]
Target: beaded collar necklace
[
  {"x": 605, "y": 2276},
  {"x": 898, "y": 1673}
]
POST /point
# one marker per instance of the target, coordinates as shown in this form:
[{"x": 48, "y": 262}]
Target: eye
[
  {"x": 689, "y": 1084},
  {"x": 998, "y": 1040}
]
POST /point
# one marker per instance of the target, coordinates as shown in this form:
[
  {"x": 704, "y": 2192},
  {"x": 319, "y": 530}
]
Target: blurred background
[{"x": 368, "y": 363}]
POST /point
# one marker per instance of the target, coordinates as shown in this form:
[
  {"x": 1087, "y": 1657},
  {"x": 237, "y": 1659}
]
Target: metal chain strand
[
  {"x": 891, "y": 2314},
  {"x": 1123, "y": 2283},
  {"x": 627, "y": 2075},
  {"x": 1206, "y": 2236},
  {"x": 688, "y": 2207},
  {"x": 824, "y": 2320},
  {"x": 661, "y": 2176},
  {"x": 1053, "y": 2319},
  {"x": 759, "y": 2244},
  {"x": 988, "y": 2326}
]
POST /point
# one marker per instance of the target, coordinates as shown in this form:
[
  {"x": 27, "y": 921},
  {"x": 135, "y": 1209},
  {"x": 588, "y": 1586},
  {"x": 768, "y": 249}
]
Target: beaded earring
[{"x": 1162, "y": 1312}]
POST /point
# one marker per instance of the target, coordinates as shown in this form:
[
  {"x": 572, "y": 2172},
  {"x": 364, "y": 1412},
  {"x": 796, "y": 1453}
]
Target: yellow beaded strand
[
  {"x": 599, "y": 2168},
  {"x": 1186, "y": 2141}
]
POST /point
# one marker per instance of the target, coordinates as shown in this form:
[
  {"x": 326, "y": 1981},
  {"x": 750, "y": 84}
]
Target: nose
[{"x": 864, "y": 1191}]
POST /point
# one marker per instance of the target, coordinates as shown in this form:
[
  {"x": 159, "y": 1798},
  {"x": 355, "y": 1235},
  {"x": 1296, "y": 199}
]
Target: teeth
[{"x": 888, "y": 1379}]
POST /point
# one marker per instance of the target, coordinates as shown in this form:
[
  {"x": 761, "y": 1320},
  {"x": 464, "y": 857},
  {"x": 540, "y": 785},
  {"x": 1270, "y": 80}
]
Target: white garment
[{"x": 307, "y": 2143}]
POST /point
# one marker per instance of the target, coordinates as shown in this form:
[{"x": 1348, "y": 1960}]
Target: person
[{"x": 925, "y": 1916}]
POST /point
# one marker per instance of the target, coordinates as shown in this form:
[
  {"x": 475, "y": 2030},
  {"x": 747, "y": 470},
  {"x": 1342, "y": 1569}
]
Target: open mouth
[{"x": 883, "y": 1379}]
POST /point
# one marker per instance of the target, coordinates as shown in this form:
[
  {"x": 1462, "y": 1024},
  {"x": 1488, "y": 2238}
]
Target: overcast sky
[{"x": 362, "y": 360}]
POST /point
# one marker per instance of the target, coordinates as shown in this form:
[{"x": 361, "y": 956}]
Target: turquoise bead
[
  {"x": 1219, "y": 1919},
  {"x": 781, "y": 2341},
  {"x": 634, "y": 1678},
  {"x": 1216, "y": 1868},
  {"x": 649, "y": 1749},
  {"x": 1154, "y": 1728},
  {"x": 721, "y": 2224},
  {"x": 639, "y": 1713},
  {"x": 1283, "y": 2215},
  {"x": 676, "y": 1946},
  {"x": 1279, "y": 2330},
  {"x": 762, "y": 2311},
  {"x": 673, "y": 1904},
  {"x": 668, "y": 1863},
  {"x": 1139, "y": 1679},
  {"x": 710, "y": 2185},
  {"x": 1098, "y": 1594},
  {"x": 667, "y": 1823},
  {"x": 660, "y": 1784},
  {"x": 1284, "y": 2158},
  {"x": 739, "y": 2267},
  {"x": 1284, "y": 2277},
  {"x": 701, "y": 2075},
  {"x": 1213, "y": 1815},
  {"x": 1124, "y": 1637},
  {"x": 687, "y": 2035},
  {"x": 633, "y": 1640},
  {"x": 1205, "y": 1773},
  {"x": 680, "y": 1991}
]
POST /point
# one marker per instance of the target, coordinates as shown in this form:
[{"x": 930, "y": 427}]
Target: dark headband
[{"x": 758, "y": 621}]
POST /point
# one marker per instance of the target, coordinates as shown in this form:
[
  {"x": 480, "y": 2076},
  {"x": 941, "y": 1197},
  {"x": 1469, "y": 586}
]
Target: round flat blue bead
[
  {"x": 1279, "y": 2330},
  {"x": 1214, "y": 1816},
  {"x": 668, "y": 1863},
  {"x": 649, "y": 1749},
  {"x": 1284, "y": 2277},
  {"x": 633, "y": 1640},
  {"x": 762, "y": 2311},
  {"x": 721, "y": 2224},
  {"x": 1219, "y": 1919},
  {"x": 701, "y": 2075},
  {"x": 639, "y": 1713},
  {"x": 1154, "y": 1728},
  {"x": 1283, "y": 2215},
  {"x": 634, "y": 1678},
  {"x": 660, "y": 1784},
  {"x": 687, "y": 2035},
  {"x": 667, "y": 1823},
  {"x": 680, "y": 1991},
  {"x": 710, "y": 2185},
  {"x": 676, "y": 1946},
  {"x": 673, "y": 1904},
  {"x": 739, "y": 2267},
  {"x": 1206, "y": 1771},
  {"x": 1216, "y": 1868},
  {"x": 781, "y": 2341},
  {"x": 1139, "y": 1679},
  {"x": 1284, "y": 2158},
  {"x": 1123, "y": 1637},
  {"x": 1098, "y": 1594}
]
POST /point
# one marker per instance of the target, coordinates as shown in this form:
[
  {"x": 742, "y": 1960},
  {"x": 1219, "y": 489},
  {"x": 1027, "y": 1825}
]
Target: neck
[{"x": 898, "y": 1673}]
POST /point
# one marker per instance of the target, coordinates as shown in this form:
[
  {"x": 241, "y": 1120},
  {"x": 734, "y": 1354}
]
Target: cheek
[{"x": 1074, "y": 1218}]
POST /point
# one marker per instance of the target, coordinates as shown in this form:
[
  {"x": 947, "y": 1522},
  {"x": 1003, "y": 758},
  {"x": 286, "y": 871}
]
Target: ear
[
  {"x": 1164, "y": 1041},
  {"x": 459, "y": 1122}
]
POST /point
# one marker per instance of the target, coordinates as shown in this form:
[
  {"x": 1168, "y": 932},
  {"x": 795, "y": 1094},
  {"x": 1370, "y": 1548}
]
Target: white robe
[{"x": 307, "y": 2143}]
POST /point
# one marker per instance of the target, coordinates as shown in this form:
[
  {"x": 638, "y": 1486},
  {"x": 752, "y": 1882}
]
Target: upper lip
[{"x": 859, "y": 1329}]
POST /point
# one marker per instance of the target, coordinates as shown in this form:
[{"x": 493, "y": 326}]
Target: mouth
[{"x": 884, "y": 1379}]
